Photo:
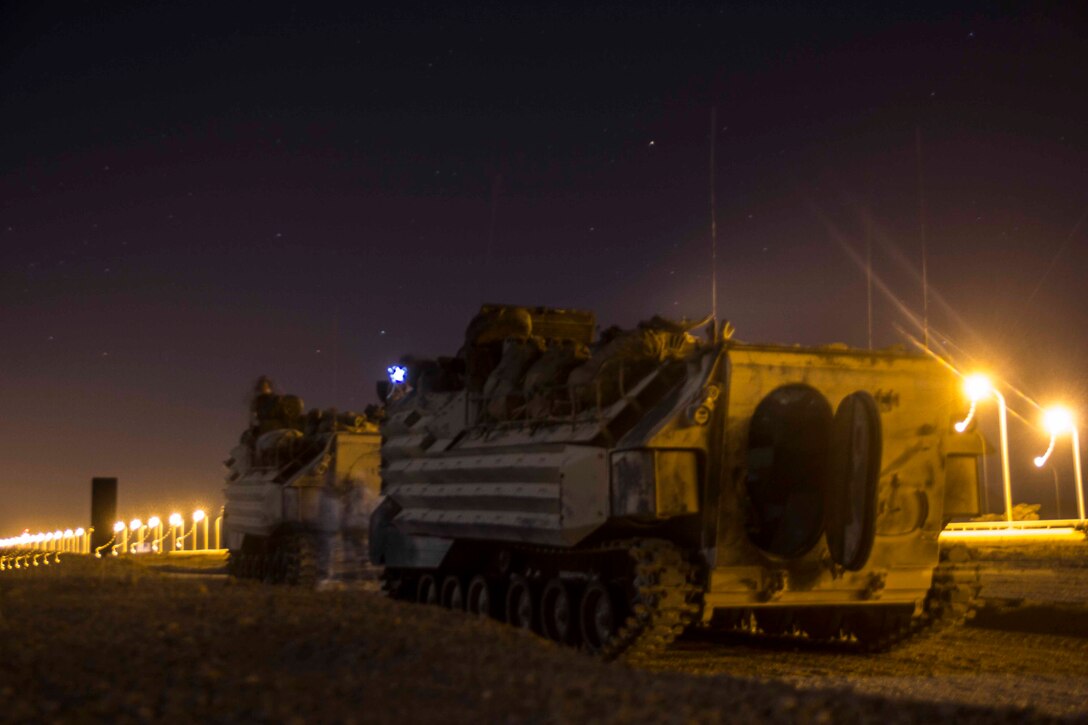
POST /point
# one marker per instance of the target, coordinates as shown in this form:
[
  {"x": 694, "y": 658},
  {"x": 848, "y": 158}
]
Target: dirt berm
[{"x": 109, "y": 640}]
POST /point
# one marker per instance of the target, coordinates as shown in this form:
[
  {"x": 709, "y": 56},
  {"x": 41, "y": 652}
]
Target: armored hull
[
  {"x": 667, "y": 481},
  {"x": 298, "y": 494}
]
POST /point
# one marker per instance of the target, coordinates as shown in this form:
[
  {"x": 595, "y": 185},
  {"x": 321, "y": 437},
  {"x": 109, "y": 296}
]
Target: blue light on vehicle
[{"x": 397, "y": 374}]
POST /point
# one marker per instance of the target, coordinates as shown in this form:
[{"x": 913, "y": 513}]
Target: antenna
[
  {"x": 869, "y": 275},
  {"x": 713, "y": 229},
  {"x": 922, "y": 235},
  {"x": 496, "y": 182},
  {"x": 335, "y": 336}
]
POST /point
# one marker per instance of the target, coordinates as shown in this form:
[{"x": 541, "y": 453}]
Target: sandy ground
[{"x": 94, "y": 640}]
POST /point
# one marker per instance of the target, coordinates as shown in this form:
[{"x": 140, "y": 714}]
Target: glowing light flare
[
  {"x": 119, "y": 527},
  {"x": 80, "y": 531},
  {"x": 198, "y": 515},
  {"x": 154, "y": 521},
  {"x": 1057, "y": 420},
  {"x": 398, "y": 374},
  {"x": 135, "y": 524},
  {"x": 176, "y": 520},
  {"x": 977, "y": 387}
]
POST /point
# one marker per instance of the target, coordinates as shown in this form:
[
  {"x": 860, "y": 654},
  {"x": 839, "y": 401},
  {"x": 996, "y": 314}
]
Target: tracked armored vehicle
[
  {"x": 609, "y": 493},
  {"x": 301, "y": 487}
]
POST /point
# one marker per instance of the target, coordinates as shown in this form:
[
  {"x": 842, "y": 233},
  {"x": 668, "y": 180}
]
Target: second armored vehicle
[{"x": 301, "y": 488}]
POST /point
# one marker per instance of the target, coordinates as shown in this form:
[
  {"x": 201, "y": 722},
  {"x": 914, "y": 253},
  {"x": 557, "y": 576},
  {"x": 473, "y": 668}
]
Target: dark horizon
[{"x": 194, "y": 196}]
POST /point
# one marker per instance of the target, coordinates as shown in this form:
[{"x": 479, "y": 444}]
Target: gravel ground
[
  {"x": 93, "y": 640},
  {"x": 971, "y": 665},
  {"x": 1028, "y": 646}
]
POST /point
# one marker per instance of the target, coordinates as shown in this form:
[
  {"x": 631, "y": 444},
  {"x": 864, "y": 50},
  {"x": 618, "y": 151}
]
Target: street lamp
[
  {"x": 199, "y": 516},
  {"x": 120, "y": 528},
  {"x": 137, "y": 526},
  {"x": 1058, "y": 420},
  {"x": 175, "y": 523},
  {"x": 978, "y": 388},
  {"x": 154, "y": 525}
]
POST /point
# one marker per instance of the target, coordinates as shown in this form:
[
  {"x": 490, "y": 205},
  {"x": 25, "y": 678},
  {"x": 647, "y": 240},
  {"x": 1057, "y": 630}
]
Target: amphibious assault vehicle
[
  {"x": 610, "y": 491},
  {"x": 300, "y": 489}
]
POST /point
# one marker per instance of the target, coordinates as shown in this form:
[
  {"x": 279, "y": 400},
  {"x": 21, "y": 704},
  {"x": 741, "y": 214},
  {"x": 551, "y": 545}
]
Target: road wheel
[
  {"x": 427, "y": 591},
  {"x": 597, "y": 617},
  {"x": 453, "y": 596},
  {"x": 479, "y": 600},
  {"x": 519, "y": 603},
  {"x": 557, "y": 616}
]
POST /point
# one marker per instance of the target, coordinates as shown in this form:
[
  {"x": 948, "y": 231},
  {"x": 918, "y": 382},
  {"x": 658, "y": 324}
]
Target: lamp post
[
  {"x": 176, "y": 523},
  {"x": 199, "y": 516},
  {"x": 81, "y": 541},
  {"x": 137, "y": 526},
  {"x": 154, "y": 526},
  {"x": 1057, "y": 491},
  {"x": 978, "y": 388},
  {"x": 120, "y": 528},
  {"x": 1078, "y": 473},
  {"x": 1058, "y": 420}
]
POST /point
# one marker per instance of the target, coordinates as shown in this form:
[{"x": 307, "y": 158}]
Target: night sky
[{"x": 193, "y": 195}]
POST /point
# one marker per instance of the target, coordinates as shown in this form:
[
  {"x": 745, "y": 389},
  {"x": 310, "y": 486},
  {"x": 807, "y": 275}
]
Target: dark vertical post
[
  {"x": 716, "y": 333},
  {"x": 103, "y": 510},
  {"x": 869, "y": 275},
  {"x": 922, "y": 234}
]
